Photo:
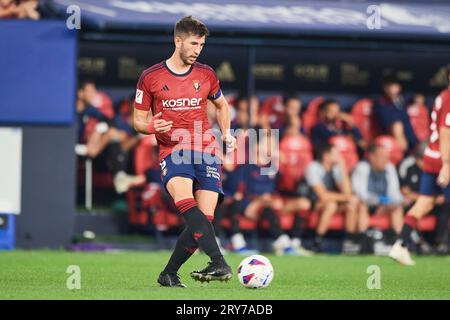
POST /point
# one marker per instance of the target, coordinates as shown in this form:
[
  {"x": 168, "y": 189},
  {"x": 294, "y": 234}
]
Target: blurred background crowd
[
  {"x": 351, "y": 173},
  {"x": 19, "y": 9},
  {"x": 352, "y": 106}
]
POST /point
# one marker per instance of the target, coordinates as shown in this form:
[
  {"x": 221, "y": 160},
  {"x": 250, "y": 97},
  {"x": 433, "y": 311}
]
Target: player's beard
[{"x": 184, "y": 56}]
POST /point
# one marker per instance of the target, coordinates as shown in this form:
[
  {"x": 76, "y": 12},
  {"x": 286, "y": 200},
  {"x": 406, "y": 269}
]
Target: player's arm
[
  {"x": 444, "y": 147},
  {"x": 325, "y": 196},
  {"x": 344, "y": 183},
  {"x": 143, "y": 120},
  {"x": 223, "y": 120},
  {"x": 145, "y": 123},
  {"x": 398, "y": 132}
]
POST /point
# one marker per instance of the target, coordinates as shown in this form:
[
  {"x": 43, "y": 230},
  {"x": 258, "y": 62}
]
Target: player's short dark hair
[
  {"x": 324, "y": 105},
  {"x": 239, "y": 98},
  {"x": 390, "y": 79},
  {"x": 190, "y": 26},
  {"x": 373, "y": 147},
  {"x": 321, "y": 150},
  {"x": 83, "y": 83},
  {"x": 288, "y": 96}
]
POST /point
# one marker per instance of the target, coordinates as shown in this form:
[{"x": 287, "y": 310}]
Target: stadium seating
[
  {"x": 420, "y": 121},
  {"x": 363, "y": 117},
  {"x": 311, "y": 115},
  {"x": 145, "y": 156},
  {"x": 347, "y": 149},
  {"x": 295, "y": 156},
  {"x": 395, "y": 151},
  {"x": 163, "y": 220},
  {"x": 136, "y": 214}
]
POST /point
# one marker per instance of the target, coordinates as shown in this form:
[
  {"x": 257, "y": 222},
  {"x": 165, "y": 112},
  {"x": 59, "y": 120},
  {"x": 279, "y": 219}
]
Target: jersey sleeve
[
  {"x": 215, "y": 91},
  {"x": 144, "y": 98},
  {"x": 314, "y": 174},
  {"x": 444, "y": 101}
]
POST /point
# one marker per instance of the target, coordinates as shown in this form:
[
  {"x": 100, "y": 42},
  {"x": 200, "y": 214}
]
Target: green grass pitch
[{"x": 132, "y": 275}]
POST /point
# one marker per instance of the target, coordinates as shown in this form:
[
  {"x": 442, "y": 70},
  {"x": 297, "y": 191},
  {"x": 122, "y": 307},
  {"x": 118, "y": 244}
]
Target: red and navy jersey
[
  {"x": 440, "y": 117},
  {"x": 182, "y": 99}
]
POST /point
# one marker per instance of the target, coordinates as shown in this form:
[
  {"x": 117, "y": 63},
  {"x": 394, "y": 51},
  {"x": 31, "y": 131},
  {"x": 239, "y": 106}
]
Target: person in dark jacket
[
  {"x": 333, "y": 122},
  {"x": 392, "y": 116}
]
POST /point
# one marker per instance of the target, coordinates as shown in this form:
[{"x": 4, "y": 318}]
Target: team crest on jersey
[{"x": 196, "y": 85}]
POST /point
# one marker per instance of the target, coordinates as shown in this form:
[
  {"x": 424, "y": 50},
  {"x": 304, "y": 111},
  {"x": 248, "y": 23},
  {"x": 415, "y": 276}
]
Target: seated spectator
[
  {"x": 103, "y": 131},
  {"x": 230, "y": 208},
  {"x": 233, "y": 181},
  {"x": 391, "y": 114},
  {"x": 23, "y": 9},
  {"x": 271, "y": 113},
  {"x": 410, "y": 171},
  {"x": 330, "y": 182},
  {"x": 417, "y": 99},
  {"x": 260, "y": 203},
  {"x": 377, "y": 186},
  {"x": 245, "y": 112},
  {"x": 122, "y": 139},
  {"x": 333, "y": 122},
  {"x": 93, "y": 107},
  {"x": 295, "y": 154},
  {"x": 292, "y": 121}
]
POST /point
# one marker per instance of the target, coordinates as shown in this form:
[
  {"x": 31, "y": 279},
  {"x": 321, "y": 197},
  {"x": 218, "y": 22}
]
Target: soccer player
[
  {"x": 435, "y": 175},
  {"x": 170, "y": 102}
]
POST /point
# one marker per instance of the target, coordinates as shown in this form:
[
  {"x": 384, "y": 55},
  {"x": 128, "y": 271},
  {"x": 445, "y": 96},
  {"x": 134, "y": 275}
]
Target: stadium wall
[{"x": 38, "y": 85}]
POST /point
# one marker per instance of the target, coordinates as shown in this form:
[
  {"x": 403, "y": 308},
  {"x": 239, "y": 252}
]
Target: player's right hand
[
  {"x": 158, "y": 125},
  {"x": 444, "y": 176}
]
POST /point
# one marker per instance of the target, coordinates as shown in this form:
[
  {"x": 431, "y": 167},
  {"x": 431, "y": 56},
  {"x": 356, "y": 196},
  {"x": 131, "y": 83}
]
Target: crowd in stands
[
  {"x": 349, "y": 171},
  {"x": 19, "y": 9}
]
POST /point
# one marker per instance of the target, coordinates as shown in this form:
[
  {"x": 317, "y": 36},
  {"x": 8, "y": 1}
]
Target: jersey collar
[{"x": 178, "y": 74}]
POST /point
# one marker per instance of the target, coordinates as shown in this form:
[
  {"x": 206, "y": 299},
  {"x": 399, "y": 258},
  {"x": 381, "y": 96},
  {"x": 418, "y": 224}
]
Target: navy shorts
[
  {"x": 429, "y": 186},
  {"x": 203, "y": 169}
]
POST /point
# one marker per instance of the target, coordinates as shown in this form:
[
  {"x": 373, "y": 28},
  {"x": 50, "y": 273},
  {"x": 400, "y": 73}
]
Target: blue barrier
[
  {"x": 38, "y": 72},
  {"x": 7, "y": 231}
]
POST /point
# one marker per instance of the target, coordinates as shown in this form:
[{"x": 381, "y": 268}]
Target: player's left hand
[
  {"x": 444, "y": 176},
  {"x": 230, "y": 141}
]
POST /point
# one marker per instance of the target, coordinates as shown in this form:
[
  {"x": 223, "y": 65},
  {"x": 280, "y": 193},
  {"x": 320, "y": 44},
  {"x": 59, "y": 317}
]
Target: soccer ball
[{"x": 255, "y": 272}]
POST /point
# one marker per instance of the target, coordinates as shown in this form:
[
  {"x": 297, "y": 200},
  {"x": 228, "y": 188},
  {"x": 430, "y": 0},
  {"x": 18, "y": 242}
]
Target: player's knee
[
  {"x": 353, "y": 202},
  {"x": 303, "y": 204},
  {"x": 330, "y": 207}
]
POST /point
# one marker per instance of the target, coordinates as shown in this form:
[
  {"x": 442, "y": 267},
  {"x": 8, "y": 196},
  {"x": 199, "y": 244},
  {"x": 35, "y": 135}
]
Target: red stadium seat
[
  {"x": 287, "y": 221},
  {"x": 420, "y": 121},
  {"x": 273, "y": 107},
  {"x": 311, "y": 115},
  {"x": 427, "y": 223},
  {"x": 244, "y": 224},
  {"x": 295, "y": 156},
  {"x": 145, "y": 156},
  {"x": 395, "y": 151},
  {"x": 363, "y": 117},
  {"x": 164, "y": 220},
  {"x": 247, "y": 224},
  {"x": 381, "y": 222},
  {"x": 102, "y": 179},
  {"x": 347, "y": 149},
  {"x": 136, "y": 215}
]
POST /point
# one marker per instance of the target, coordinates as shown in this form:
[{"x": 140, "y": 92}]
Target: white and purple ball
[{"x": 255, "y": 272}]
